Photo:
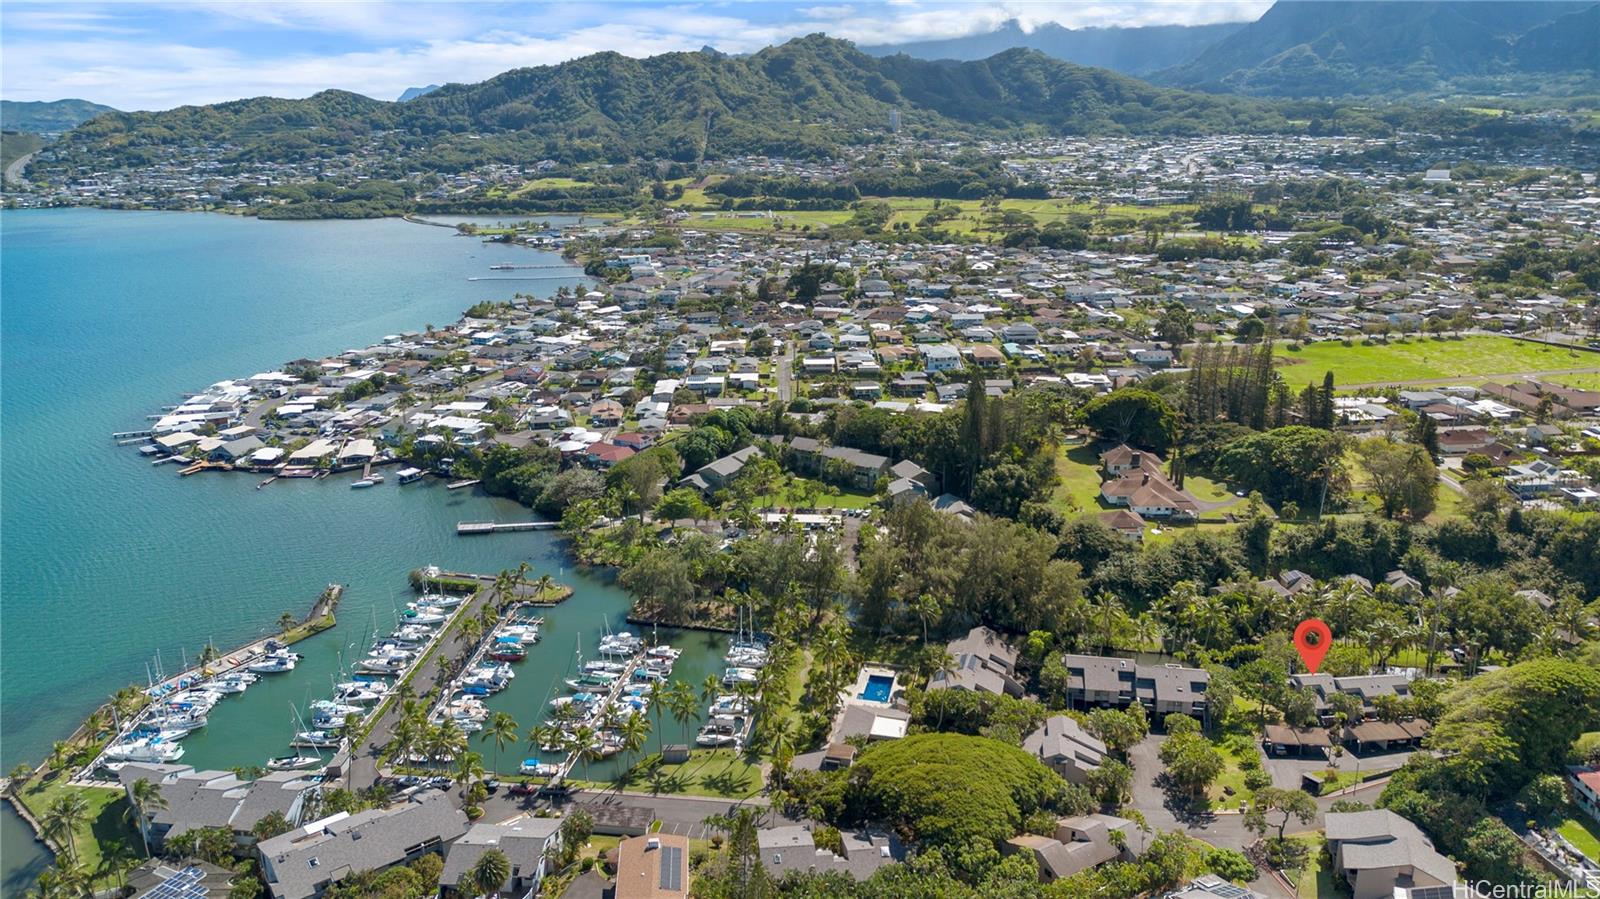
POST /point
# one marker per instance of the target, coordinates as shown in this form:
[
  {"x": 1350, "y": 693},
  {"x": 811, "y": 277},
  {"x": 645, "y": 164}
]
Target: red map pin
[{"x": 1312, "y": 638}]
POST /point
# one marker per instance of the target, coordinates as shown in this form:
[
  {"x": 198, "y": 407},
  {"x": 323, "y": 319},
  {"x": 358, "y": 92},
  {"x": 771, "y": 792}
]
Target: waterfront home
[
  {"x": 985, "y": 662},
  {"x": 653, "y": 867},
  {"x": 304, "y": 862},
  {"x": 793, "y": 848},
  {"x": 530, "y": 844},
  {"x": 1379, "y": 854},
  {"x": 202, "y": 799}
]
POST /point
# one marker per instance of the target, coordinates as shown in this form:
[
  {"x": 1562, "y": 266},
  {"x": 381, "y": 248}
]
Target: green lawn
[
  {"x": 1313, "y": 881},
  {"x": 1078, "y": 470},
  {"x": 796, "y": 497},
  {"x": 720, "y": 773},
  {"x": 1425, "y": 358},
  {"x": 103, "y": 827},
  {"x": 1236, "y": 742},
  {"x": 1590, "y": 381},
  {"x": 1583, "y": 834}
]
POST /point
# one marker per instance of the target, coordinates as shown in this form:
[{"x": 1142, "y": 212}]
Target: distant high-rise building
[{"x": 894, "y": 119}]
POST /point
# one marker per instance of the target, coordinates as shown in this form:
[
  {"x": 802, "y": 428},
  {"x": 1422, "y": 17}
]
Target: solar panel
[
  {"x": 671, "y": 868},
  {"x": 1442, "y": 892},
  {"x": 185, "y": 884},
  {"x": 1229, "y": 891}
]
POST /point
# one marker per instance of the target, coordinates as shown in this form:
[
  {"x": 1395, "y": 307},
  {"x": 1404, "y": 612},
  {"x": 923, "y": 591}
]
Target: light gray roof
[
  {"x": 523, "y": 841},
  {"x": 1062, "y": 738},
  {"x": 792, "y": 848},
  {"x": 325, "y": 851},
  {"x": 1379, "y": 838}
]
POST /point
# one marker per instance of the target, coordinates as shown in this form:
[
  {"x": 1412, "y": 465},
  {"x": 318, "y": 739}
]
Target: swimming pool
[{"x": 878, "y": 688}]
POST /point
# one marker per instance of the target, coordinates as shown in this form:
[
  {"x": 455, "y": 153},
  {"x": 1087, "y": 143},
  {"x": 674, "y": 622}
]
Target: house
[
  {"x": 1065, "y": 747},
  {"x": 1126, "y": 522},
  {"x": 984, "y": 662},
  {"x": 1110, "y": 682},
  {"x": 1210, "y": 886},
  {"x": 235, "y": 450},
  {"x": 606, "y": 413},
  {"x": 202, "y": 799},
  {"x": 1123, "y": 459},
  {"x": 793, "y": 848},
  {"x": 302, "y": 863},
  {"x": 1080, "y": 843},
  {"x": 1150, "y": 496},
  {"x": 939, "y": 358},
  {"x": 715, "y": 475},
  {"x": 529, "y": 843},
  {"x": 1377, "y": 852},
  {"x": 605, "y": 455},
  {"x": 653, "y": 867},
  {"x": 1584, "y": 784}
]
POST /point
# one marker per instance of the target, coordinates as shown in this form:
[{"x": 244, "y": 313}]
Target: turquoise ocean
[{"x": 108, "y": 564}]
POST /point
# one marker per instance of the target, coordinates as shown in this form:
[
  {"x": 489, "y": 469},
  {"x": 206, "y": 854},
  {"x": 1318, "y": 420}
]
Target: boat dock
[
  {"x": 458, "y": 485},
  {"x": 469, "y": 528}
]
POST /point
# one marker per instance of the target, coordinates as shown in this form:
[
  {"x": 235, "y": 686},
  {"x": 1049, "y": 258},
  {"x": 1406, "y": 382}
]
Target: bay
[{"x": 106, "y": 562}]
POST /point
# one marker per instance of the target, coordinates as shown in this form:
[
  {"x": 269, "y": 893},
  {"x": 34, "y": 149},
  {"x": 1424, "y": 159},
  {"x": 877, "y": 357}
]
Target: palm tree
[
  {"x": 502, "y": 729},
  {"x": 635, "y": 731},
  {"x": 67, "y": 877},
  {"x": 582, "y": 742},
  {"x": 471, "y": 629},
  {"x": 490, "y": 872},
  {"x": 469, "y": 768},
  {"x": 544, "y": 585},
  {"x": 710, "y": 688},
  {"x": 680, "y": 700},
  {"x": 116, "y": 861},
  {"x": 63, "y": 817},
  {"x": 59, "y": 750},
  {"x": 145, "y": 799},
  {"x": 449, "y": 739}
]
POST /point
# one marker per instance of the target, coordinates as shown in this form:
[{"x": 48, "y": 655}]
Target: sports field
[{"x": 1426, "y": 359}]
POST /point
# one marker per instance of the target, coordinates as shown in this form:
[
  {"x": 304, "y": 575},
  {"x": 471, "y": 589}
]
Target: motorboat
[
  {"x": 316, "y": 739},
  {"x": 721, "y": 730},
  {"x": 415, "y": 615},
  {"x": 374, "y": 478},
  {"x": 412, "y": 635},
  {"x": 273, "y": 664},
  {"x": 600, "y": 666},
  {"x": 389, "y": 665},
  {"x": 363, "y": 483},
  {"x": 670, "y": 653},
  {"x": 441, "y": 600},
  {"x": 508, "y": 652},
  {"x": 526, "y": 634},
  {"x": 730, "y": 704},
  {"x": 650, "y": 674},
  {"x": 407, "y": 475},
  {"x": 591, "y": 681},
  {"x": 145, "y": 749},
  {"x": 236, "y": 682},
  {"x": 537, "y": 768},
  {"x": 295, "y": 762},
  {"x": 733, "y": 676}
]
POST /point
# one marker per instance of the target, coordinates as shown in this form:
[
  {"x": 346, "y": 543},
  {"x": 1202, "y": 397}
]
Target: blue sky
[{"x": 160, "y": 55}]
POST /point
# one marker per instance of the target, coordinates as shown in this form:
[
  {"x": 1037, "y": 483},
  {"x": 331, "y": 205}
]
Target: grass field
[
  {"x": 1313, "y": 881},
  {"x": 795, "y": 496},
  {"x": 1426, "y": 358},
  {"x": 1590, "y": 381},
  {"x": 1583, "y": 834},
  {"x": 103, "y": 826},
  {"x": 720, "y": 773}
]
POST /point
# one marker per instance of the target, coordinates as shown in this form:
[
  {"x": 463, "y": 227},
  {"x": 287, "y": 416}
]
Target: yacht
[
  {"x": 415, "y": 615},
  {"x": 388, "y": 665},
  {"x": 736, "y": 675},
  {"x": 145, "y": 749},
  {"x": 363, "y": 484},
  {"x": 664, "y": 651},
  {"x": 294, "y": 762},
  {"x": 275, "y": 662},
  {"x": 441, "y": 600},
  {"x": 316, "y": 739},
  {"x": 539, "y": 769},
  {"x": 357, "y": 695}
]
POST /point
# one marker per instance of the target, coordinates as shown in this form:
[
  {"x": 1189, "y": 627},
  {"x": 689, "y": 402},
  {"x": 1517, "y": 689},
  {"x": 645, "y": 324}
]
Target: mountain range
[
  {"x": 412, "y": 93},
  {"x": 1328, "y": 48},
  {"x": 802, "y": 97},
  {"x": 1132, "y": 51},
  {"x": 47, "y": 117},
  {"x": 1333, "y": 48}
]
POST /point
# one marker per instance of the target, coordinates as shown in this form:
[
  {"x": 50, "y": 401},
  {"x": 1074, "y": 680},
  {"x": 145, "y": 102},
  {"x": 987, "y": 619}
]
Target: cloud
[{"x": 155, "y": 56}]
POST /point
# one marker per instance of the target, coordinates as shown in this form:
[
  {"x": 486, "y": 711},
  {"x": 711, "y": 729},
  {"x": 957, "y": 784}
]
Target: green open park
[{"x": 1426, "y": 359}]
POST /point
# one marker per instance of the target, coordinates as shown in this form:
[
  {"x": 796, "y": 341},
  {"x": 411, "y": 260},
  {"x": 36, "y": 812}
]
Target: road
[
  {"x": 786, "y": 374},
  {"x": 13, "y": 172},
  {"x": 1223, "y": 830}
]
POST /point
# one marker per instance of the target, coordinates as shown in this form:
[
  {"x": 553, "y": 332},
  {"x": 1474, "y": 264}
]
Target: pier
[
  {"x": 458, "y": 485},
  {"x": 469, "y": 528},
  {"x": 129, "y": 435}
]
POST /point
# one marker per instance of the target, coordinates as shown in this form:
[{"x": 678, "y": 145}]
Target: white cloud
[{"x": 226, "y": 50}]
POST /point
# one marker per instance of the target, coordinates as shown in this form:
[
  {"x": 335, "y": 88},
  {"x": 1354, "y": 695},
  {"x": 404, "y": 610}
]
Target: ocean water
[{"x": 108, "y": 563}]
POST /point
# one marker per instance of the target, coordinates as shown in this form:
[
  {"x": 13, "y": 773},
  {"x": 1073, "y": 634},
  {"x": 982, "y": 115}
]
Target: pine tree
[{"x": 1325, "y": 403}]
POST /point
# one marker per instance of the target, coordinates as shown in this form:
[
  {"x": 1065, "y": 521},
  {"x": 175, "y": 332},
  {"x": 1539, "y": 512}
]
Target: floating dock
[{"x": 467, "y": 528}]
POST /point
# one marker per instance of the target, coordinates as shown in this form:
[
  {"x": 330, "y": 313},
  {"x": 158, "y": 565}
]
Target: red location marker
[{"x": 1312, "y": 638}]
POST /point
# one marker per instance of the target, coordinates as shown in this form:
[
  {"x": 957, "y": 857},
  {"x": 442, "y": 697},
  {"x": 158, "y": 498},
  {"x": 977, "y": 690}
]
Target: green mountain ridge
[
  {"x": 47, "y": 116},
  {"x": 1326, "y": 48},
  {"x": 803, "y": 97}
]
